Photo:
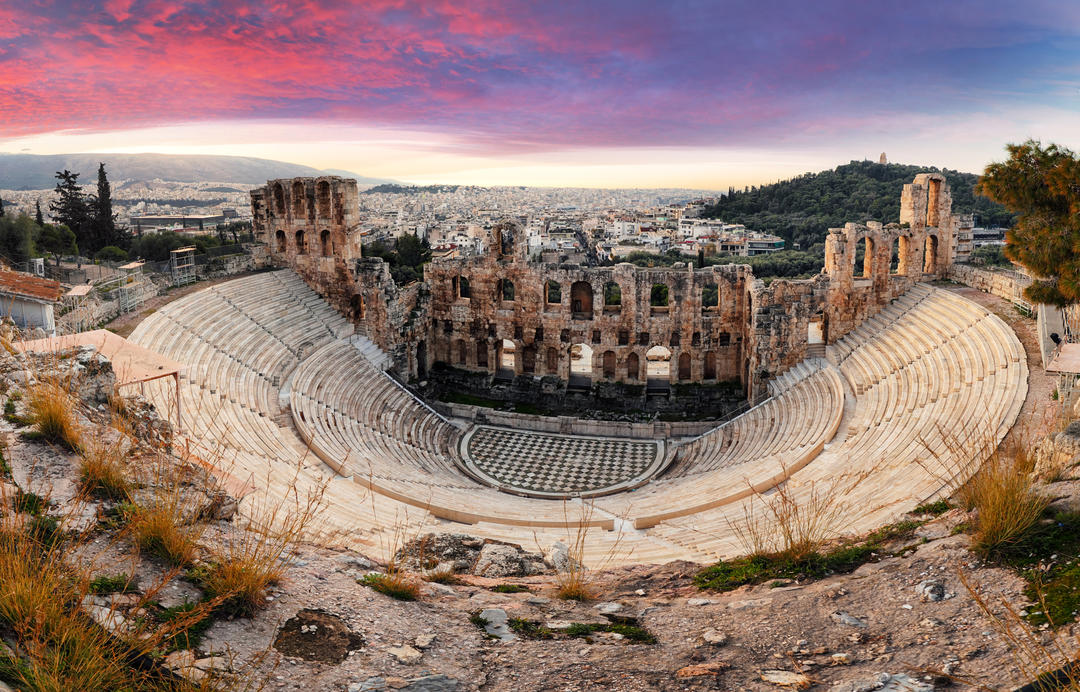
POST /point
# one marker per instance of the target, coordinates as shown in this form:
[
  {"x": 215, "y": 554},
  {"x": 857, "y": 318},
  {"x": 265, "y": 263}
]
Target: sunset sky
[{"x": 622, "y": 93}]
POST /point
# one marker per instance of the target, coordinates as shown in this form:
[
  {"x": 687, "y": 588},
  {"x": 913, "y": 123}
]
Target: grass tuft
[
  {"x": 935, "y": 509},
  {"x": 156, "y": 529},
  {"x": 509, "y": 588},
  {"x": 395, "y": 584},
  {"x": 102, "y": 469},
  {"x": 116, "y": 583},
  {"x": 52, "y": 411}
]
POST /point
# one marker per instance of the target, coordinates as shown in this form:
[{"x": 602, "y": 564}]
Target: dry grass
[
  {"x": 102, "y": 468},
  {"x": 793, "y": 522},
  {"x": 52, "y": 411},
  {"x": 1006, "y": 503},
  {"x": 256, "y": 555},
  {"x": 164, "y": 524},
  {"x": 1050, "y": 666},
  {"x": 573, "y": 581}
]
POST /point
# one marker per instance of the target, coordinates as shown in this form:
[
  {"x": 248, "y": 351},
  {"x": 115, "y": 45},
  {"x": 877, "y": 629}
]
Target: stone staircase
[{"x": 370, "y": 351}]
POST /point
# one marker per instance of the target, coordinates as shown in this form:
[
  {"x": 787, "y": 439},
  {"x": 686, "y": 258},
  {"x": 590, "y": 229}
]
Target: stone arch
[
  {"x": 659, "y": 295},
  {"x": 933, "y": 195},
  {"x": 356, "y": 304},
  {"x": 710, "y": 365},
  {"x": 528, "y": 359},
  {"x": 464, "y": 290},
  {"x": 658, "y": 363},
  {"x": 612, "y": 296},
  {"x": 930, "y": 254},
  {"x": 301, "y": 245},
  {"x": 710, "y": 296},
  {"x": 552, "y": 292},
  {"x": 282, "y": 244},
  {"x": 507, "y": 356},
  {"x": 481, "y": 353},
  {"x": 633, "y": 367},
  {"x": 684, "y": 367},
  {"x": 461, "y": 352},
  {"x": 581, "y": 360},
  {"x": 815, "y": 329},
  {"x": 322, "y": 199},
  {"x": 298, "y": 195},
  {"x": 609, "y": 364},
  {"x": 581, "y": 300},
  {"x": 325, "y": 244},
  {"x": 552, "y": 365},
  {"x": 279, "y": 199},
  {"x": 894, "y": 256}
]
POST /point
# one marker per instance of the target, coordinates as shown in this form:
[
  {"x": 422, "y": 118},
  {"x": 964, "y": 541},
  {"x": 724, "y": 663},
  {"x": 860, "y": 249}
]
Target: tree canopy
[
  {"x": 803, "y": 209},
  {"x": 1042, "y": 186},
  {"x": 406, "y": 260}
]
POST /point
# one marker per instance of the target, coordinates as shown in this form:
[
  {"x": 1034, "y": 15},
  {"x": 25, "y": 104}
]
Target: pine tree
[
  {"x": 1042, "y": 185},
  {"x": 39, "y": 218},
  {"x": 1, "y": 206},
  {"x": 71, "y": 207},
  {"x": 105, "y": 232}
]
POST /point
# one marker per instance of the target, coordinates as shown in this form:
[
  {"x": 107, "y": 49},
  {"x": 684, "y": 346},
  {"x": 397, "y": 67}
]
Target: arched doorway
[
  {"x": 300, "y": 246},
  {"x": 528, "y": 360},
  {"x": 552, "y": 361},
  {"x": 298, "y": 199},
  {"x": 358, "y": 306},
  {"x": 507, "y": 364},
  {"x": 658, "y": 370},
  {"x": 581, "y": 360},
  {"x": 282, "y": 244},
  {"x": 322, "y": 199},
  {"x": 421, "y": 360},
  {"x": 324, "y": 242},
  {"x": 633, "y": 367},
  {"x": 710, "y": 365}
]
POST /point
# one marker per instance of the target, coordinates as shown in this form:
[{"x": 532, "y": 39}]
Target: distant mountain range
[{"x": 37, "y": 172}]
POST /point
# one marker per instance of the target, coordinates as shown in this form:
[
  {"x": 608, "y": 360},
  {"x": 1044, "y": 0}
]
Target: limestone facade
[{"x": 506, "y": 316}]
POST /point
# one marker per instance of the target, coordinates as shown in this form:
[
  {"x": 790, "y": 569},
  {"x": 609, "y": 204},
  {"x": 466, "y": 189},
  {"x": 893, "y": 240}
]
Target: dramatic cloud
[{"x": 529, "y": 76}]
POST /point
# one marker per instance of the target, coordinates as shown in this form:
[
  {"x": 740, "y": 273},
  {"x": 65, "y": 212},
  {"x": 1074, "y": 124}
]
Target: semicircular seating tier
[{"x": 905, "y": 407}]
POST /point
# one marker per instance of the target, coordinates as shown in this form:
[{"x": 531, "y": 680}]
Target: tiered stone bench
[{"x": 888, "y": 414}]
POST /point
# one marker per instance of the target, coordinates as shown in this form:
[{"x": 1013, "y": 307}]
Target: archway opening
[
  {"x": 684, "y": 367},
  {"x": 324, "y": 242},
  {"x": 581, "y": 300},
  {"x": 481, "y": 354},
  {"x": 298, "y": 199},
  {"x": 506, "y": 290},
  {"x": 322, "y": 199},
  {"x": 279, "y": 199},
  {"x": 507, "y": 357},
  {"x": 552, "y": 293},
  {"x": 581, "y": 364},
  {"x": 461, "y": 352},
  {"x": 864, "y": 258},
  {"x": 421, "y": 360},
  {"x": 658, "y": 296},
  {"x": 356, "y": 303},
  {"x": 612, "y": 296},
  {"x": 301, "y": 247},
  {"x": 815, "y": 329},
  {"x": 710, "y": 296},
  {"x": 710, "y": 365},
  {"x": 658, "y": 363},
  {"x": 528, "y": 360},
  {"x": 903, "y": 252},
  {"x": 281, "y": 242},
  {"x": 930, "y": 258},
  {"x": 894, "y": 256},
  {"x": 552, "y": 366},
  {"x": 633, "y": 367}
]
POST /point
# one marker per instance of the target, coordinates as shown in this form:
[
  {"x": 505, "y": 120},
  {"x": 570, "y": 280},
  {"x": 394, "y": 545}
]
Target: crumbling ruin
[{"x": 619, "y": 331}]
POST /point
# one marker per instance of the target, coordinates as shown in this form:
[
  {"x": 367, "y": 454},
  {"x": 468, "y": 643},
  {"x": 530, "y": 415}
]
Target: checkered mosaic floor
[{"x": 558, "y": 463}]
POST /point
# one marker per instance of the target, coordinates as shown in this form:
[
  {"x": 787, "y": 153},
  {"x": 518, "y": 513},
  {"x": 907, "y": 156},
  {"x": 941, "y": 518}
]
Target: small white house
[{"x": 28, "y": 300}]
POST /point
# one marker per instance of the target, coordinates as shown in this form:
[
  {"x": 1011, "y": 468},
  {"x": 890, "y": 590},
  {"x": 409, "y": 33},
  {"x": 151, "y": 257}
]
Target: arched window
[
  {"x": 612, "y": 296},
  {"x": 322, "y": 199},
  {"x": 281, "y": 243},
  {"x": 279, "y": 199},
  {"x": 506, "y": 290},
  {"x": 903, "y": 252},
  {"x": 298, "y": 195},
  {"x": 710, "y": 296},
  {"x": 710, "y": 365},
  {"x": 324, "y": 241},
  {"x": 528, "y": 359},
  {"x": 301, "y": 248},
  {"x": 481, "y": 354},
  {"x": 864, "y": 258},
  {"x": 609, "y": 364},
  {"x": 464, "y": 290},
  {"x": 581, "y": 300},
  {"x": 553, "y": 293},
  {"x": 684, "y": 366},
  {"x": 633, "y": 367},
  {"x": 658, "y": 296},
  {"x": 930, "y": 260},
  {"x": 552, "y": 361},
  {"x": 357, "y": 305},
  {"x": 894, "y": 256}
]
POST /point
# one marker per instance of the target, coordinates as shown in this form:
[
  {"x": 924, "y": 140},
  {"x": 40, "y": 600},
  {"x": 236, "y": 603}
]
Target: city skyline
[{"x": 690, "y": 94}]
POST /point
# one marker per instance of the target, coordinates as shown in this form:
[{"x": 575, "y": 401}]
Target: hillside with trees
[{"x": 803, "y": 209}]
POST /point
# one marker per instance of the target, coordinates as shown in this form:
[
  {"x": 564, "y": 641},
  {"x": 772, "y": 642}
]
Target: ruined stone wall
[
  {"x": 470, "y": 325},
  {"x": 1003, "y": 283},
  {"x": 779, "y": 316}
]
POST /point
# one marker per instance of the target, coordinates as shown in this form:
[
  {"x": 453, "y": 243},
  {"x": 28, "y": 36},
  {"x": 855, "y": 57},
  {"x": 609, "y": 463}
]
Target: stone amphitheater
[{"x": 297, "y": 380}]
